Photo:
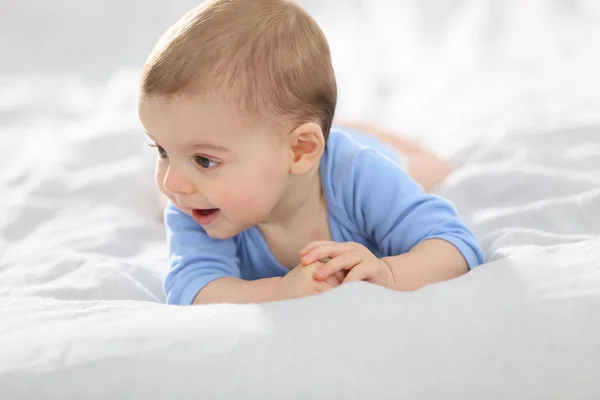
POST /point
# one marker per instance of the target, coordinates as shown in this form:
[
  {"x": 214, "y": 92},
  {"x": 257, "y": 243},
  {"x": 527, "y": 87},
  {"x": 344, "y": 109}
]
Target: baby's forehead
[
  {"x": 205, "y": 107},
  {"x": 189, "y": 118}
]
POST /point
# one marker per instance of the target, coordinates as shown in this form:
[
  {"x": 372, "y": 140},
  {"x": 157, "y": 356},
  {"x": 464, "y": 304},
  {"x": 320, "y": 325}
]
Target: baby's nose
[{"x": 175, "y": 182}]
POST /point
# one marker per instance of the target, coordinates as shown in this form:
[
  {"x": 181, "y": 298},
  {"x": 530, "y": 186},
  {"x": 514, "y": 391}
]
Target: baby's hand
[
  {"x": 299, "y": 282},
  {"x": 356, "y": 259}
]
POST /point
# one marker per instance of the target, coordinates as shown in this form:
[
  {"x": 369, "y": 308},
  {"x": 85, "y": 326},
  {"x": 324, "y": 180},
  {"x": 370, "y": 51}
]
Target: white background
[{"x": 437, "y": 70}]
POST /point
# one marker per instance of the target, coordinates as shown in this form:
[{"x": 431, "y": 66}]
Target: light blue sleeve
[
  {"x": 392, "y": 210},
  {"x": 195, "y": 259}
]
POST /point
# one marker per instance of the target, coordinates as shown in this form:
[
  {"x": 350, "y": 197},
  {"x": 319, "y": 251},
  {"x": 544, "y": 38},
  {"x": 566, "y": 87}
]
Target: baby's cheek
[
  {"x": 243, "y": 202},
  {"x": 228, "y": 199}
]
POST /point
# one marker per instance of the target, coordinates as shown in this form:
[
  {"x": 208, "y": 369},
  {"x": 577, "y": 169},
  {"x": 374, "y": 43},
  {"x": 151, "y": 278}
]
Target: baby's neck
[
  {"x": 303, "y": 206},
  {"x": 303, "y": 219}
]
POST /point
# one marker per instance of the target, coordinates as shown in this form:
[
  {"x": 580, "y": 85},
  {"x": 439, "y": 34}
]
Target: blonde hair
[{"x": 268, "y": 56}]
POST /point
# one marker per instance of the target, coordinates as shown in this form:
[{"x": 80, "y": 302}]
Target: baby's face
[{"x": 225, "y": 171}]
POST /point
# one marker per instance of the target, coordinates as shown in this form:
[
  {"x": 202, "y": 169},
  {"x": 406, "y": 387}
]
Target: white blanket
[{"x": 82, "y": 252}]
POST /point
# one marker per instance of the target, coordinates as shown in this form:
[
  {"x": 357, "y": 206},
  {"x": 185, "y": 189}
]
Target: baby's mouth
[
  {"x": 205, "y": 216},
  {"x": 206, "y": 211}
]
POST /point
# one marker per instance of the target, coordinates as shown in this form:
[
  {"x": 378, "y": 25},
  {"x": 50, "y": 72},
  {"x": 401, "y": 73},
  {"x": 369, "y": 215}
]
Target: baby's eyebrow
[
  {"x": 198, "y": 146},
  {"x": 209, "y": 146}
]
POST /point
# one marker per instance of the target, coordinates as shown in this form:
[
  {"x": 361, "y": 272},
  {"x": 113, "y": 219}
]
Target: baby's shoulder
[
  {"x": 352, "y": 158},
  {"x": 347, "y": 149},
  {"x": 341, "y": 154},
  {"x": 344, "y": 148}
]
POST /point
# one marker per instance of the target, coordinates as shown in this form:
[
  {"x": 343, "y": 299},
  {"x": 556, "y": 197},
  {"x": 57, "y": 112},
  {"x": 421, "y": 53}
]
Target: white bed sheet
[{"x": 82, "y": 252}]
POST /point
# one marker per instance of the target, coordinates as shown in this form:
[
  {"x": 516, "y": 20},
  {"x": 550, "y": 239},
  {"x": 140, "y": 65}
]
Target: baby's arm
[
  {"x": 205, "y": 270},
  {"x": 235, "y": 290},
  {"x": 420, "y": 236},
  {"x": 299, "y": 282},
  {"x": 430, "y": 261}
]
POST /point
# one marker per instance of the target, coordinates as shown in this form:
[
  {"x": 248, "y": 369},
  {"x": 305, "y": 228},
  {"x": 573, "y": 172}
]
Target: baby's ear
[{"x": 306, "y": 147}]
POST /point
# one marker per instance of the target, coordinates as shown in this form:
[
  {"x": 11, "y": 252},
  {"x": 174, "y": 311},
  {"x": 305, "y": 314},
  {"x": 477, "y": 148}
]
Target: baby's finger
[
  {"x": 334, "y": 280},
  {"x": 323, "y": 287},
  {"x": 314, "y": 245},
  {"x": 344, "y": 261},
  {"x": 330, "y": 250},
  {"x": 341, "y": 275},
  {"x": 358, "y": 274}
]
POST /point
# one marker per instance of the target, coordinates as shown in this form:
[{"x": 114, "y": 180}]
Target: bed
[{"x": 508, "y": 90}]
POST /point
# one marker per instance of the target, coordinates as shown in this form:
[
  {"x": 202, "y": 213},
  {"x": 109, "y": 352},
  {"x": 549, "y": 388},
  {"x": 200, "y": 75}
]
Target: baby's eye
[
  {"x": 206, "y": 162},
  {"x": 161, "y": 152}
]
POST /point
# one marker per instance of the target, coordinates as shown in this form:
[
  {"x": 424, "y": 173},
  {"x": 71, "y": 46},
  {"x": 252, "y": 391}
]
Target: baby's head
[{"x": 239, "y": 97}]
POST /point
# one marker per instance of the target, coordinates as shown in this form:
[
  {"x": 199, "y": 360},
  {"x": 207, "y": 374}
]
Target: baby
[{"x": 266, "y": 200}]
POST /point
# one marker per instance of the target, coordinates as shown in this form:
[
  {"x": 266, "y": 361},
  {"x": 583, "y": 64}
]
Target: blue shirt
[{"x": 371, "y": 200}]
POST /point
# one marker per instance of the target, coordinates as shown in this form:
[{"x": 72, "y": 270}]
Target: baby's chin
[{"x": 225, "y": 230}]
